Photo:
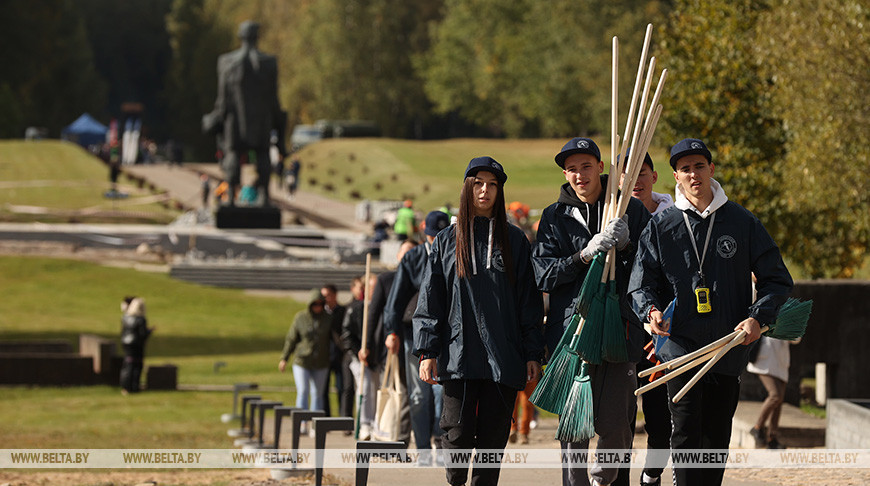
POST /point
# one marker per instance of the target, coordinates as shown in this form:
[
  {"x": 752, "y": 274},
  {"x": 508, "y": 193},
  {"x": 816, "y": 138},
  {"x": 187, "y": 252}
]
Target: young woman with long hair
[{"x": 477, "y": 328}]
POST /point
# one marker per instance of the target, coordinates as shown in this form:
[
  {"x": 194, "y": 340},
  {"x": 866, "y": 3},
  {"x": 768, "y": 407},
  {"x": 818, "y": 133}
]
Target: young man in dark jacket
[
  {"x": 570, "y": 234},
  {"x": 703, "y": 252},
  {"x": 477, "y": 324}
]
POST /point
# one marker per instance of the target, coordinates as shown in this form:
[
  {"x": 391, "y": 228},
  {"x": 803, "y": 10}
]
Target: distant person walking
[
  {"x": 205, "y": 189},
  {"x": 308, "y": 342},
  {"x": 336, "y": 351},
  {"x": 292, "y": 176},
  {"x": 134, "y": 333},
  {"x": 771, "y": 365},
  {"x": 406, "y": 222}
]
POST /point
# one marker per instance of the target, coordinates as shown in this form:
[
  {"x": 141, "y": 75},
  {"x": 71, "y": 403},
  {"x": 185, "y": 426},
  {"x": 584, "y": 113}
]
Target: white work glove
[
  {"x": 617, "y": 229},
  {"x": 600, "y": 243}
]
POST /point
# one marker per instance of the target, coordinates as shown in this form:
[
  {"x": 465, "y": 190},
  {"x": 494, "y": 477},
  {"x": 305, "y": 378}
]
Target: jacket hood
[
  {"x": 315, "y": 296},
  {"x": 719, "y": 200},
  {"x": 664, "y": 201}
]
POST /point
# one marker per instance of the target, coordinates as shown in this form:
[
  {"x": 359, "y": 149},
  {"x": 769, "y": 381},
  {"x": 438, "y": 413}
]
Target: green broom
[
  {"x": 576, "y": 421},
  {"x": 589, "y": 338},
  {"x": 613, "y": 346},
  {"x": 556, "y": 381},
  {"x": 586, "y": 296},
  {"x": 791, "y": 321},
  {"x": 590, "y": 284},
  {"x": 553, "y": 387}
]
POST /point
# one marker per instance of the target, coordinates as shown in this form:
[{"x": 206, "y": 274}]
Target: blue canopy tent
[{"x": 85, "y": 131}]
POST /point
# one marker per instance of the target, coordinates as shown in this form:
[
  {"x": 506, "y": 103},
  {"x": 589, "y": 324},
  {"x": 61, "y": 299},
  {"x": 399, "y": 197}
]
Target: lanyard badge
[{"x": 702, "y": 292}]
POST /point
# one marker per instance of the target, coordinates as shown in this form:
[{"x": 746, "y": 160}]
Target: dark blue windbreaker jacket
[
  {"x": 559, "y": 237},
  {"x": 481, "y": 326},
  {"x": 409, "y": 277},
  {"x": 667, "y": 266}
]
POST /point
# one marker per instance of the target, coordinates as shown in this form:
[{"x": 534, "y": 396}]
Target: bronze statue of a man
[{"x": 246, "y": 111}]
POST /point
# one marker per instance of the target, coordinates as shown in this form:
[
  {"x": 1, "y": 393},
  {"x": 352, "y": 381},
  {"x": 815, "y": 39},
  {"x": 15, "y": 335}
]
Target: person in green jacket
[
  {"x": 308, "y": 342},
  {"x": 406, "y": 222}
]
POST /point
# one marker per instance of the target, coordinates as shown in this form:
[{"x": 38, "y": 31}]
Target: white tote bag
[{"x": 389, "y": 406}]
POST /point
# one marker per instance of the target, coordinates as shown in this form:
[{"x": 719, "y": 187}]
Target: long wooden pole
[{"x": 363, "y": 342}]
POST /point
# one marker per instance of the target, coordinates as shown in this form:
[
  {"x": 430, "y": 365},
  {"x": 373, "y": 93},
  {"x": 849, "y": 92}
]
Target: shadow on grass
[{"x": 169, "y": 346}]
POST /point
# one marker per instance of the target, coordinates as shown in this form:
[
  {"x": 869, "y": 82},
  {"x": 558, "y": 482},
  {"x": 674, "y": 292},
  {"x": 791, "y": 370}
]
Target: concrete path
[{"x": 540, "y": 438}]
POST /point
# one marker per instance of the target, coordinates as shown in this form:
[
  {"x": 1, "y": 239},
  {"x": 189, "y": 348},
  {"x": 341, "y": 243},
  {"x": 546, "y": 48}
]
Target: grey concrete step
[{"x": 295, "y": 277}]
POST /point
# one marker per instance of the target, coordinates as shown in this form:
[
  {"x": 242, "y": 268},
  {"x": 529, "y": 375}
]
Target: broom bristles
[
  {"x": 565, "y": 339},
  {"x": 590, "y": 285},
  {"x": 590, "y": 339},
  {"x": 555, "y": 383},
  {"x": 613, "y": 347},
  {"x": 792, "y": 319},
  {"x": 576, "y": 422}
]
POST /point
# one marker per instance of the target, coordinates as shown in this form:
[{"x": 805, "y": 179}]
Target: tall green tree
[
  {"x": 818, "y": 58},
  {"x": 352, "y": 59},
  {"x": 535, "y": 68},
  {"x": 48, "y": 78},
  {"x": 716, "y": 91}
]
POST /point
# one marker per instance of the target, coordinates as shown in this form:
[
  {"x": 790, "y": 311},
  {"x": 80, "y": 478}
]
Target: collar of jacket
[{"x": 719, "y": 200}]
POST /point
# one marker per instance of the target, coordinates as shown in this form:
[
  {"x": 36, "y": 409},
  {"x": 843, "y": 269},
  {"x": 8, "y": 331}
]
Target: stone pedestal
[
  {"x": 162, "y": 377},
  {"x": 248, "y": 217}
]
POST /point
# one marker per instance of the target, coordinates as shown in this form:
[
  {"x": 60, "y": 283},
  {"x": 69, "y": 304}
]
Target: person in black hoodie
[
  {"x": 477, "y": 324},
  {"x": 571, "y": 232}
]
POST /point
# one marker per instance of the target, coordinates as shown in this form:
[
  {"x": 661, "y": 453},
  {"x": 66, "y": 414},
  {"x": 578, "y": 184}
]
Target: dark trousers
[
  {"x": 348, "y": 388},
  {"x": 702, "y": 420},
  {"x": 131, "y": 373},
  {"x": 657, "y": 424},
  {"x": 476, "y": 414},
  {"x": 335, "y": 366}
]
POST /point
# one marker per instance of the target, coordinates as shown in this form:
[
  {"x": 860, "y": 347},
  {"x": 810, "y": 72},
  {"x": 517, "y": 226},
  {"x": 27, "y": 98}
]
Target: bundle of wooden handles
[
  {"x": 710, "y": 354},
  {"x": 640, "y": 136}
]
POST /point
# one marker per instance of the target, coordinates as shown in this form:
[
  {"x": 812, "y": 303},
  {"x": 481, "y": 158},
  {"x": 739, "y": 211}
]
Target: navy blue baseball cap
[
  {"x": 435, "y": 222},
  {"x": 488, "y": 164},
  {"x": 578, "y": 145},
  {"x": 689, "y": 146},
  {"x": 646, "y": 159}
]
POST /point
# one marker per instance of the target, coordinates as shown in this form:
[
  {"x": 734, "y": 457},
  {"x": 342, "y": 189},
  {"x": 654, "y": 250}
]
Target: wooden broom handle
[
  {"x": 673, "y": 374},
  {"x": 738, "y": 339},
  {"x": 676, "y": 362}
]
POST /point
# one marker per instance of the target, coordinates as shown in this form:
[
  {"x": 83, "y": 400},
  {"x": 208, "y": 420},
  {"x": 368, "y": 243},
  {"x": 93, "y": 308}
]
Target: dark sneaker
[
  {"x": 758, "y": 435},
  {"x": 654, "y": 482},
  {"x": 774, "y": 444}
]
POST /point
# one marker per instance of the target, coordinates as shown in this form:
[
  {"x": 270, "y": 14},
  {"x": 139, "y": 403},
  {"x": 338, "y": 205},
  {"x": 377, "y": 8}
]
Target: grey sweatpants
[{"x": 614, "y": 407}]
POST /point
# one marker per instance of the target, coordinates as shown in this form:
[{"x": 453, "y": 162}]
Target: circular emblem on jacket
[
  {"x": 497, "y": 260},
  {"x": 726, "y": 246}
]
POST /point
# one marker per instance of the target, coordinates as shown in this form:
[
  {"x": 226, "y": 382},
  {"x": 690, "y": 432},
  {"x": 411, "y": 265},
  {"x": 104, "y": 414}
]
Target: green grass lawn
[
  {"x": 62, "y": 177},
  {"x": 430, "y": 172},
  {"x": 196, "y": 327}
]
